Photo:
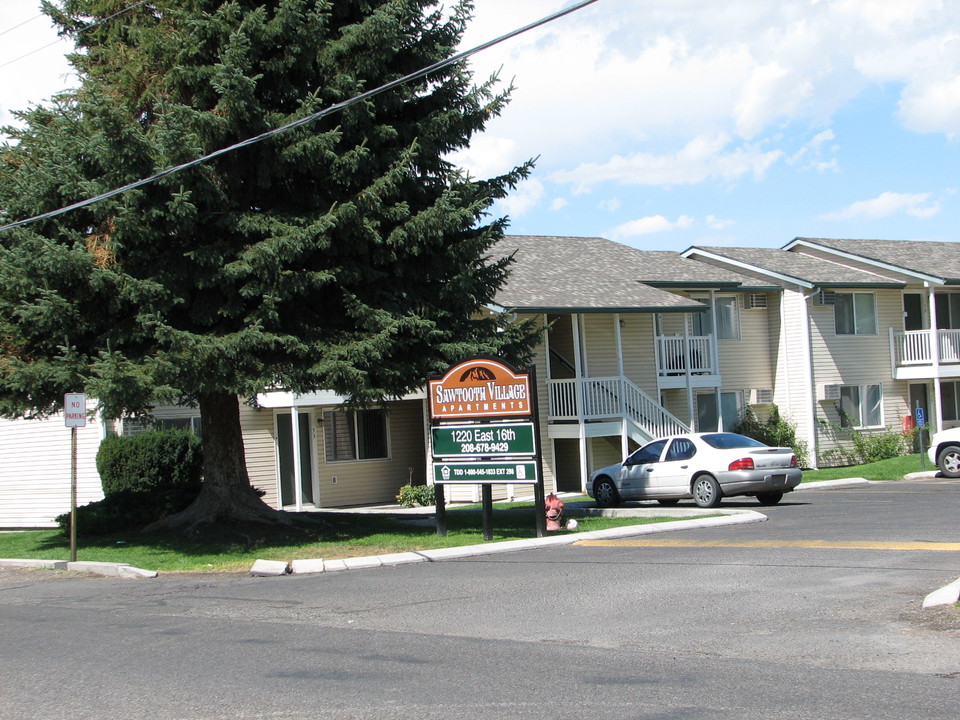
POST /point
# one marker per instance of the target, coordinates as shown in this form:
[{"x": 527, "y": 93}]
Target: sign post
[
  {"x": 485, "y": 431},
  {"x": 74, "y": 416},
  {"x": 921, "y": 417}
]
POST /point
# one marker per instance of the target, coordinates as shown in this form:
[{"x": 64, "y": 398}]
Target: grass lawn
[
  {"x": 891, "y": 469},
  {"x": 314, "y": 535}
]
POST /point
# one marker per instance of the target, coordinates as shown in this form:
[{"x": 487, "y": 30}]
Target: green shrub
[
  {"x": 873, "y": 446},
  {"x": 129, "y": 510},
  {"x": 775, "y": 431},
  {"x": 153, "y": 460},
  {"x": 413, "y": 495}
]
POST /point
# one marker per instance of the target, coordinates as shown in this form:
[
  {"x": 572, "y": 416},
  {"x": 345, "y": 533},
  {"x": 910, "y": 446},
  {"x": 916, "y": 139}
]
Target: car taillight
[
  {"x": 742, "y": 464},
  {"x": 793, "y": 461}
]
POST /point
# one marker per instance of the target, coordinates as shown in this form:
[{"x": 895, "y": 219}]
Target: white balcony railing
[
  {"x": 913, "y": 347},
  {"x": 674, "y": 352},
  {"x": 609, "y": 397}
]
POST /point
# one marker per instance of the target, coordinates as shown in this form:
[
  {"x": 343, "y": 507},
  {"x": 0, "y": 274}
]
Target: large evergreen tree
[{"x": 347, "y": 253}]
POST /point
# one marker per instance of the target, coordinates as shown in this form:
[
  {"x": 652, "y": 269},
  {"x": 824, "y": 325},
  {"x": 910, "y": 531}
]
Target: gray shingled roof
[
  {"x": 804, "y": 268},
  {"x": 665, "y": 268},
  {"x": 581, "y": 274},
  {"x": 937, "y": 259}
]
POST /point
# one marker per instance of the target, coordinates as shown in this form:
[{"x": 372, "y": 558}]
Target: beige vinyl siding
[
  {"x": 260, "y": 450},
  {"x": 364, "y": 482},
  {"x": 747, "y": 362},
  {"x": 639, "y": 357},
  {"x": 36, "y": 469},
  {"x": 600, "y": 345},
  {"x": 855, "y": 360},
  {"x": 792, "y": 365},
  {"x": 604, "y": 451}
]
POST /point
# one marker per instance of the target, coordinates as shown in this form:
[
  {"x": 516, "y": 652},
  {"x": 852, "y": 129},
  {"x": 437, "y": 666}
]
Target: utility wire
[
  {"x": 60, "y": 39},
  {"x": 14, "y": 27},
  {"x": 306, "y": 119}
]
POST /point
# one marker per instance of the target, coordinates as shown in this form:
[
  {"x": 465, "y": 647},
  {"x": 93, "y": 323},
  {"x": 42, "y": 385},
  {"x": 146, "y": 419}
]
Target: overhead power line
[
  {"x": 306, "y": 119},
  {"x": 20, "y": 24},
  {"x": 101, "y": 21}
]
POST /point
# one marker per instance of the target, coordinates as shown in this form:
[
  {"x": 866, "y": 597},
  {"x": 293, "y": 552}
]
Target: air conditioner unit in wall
[
  {"x": 756, "y": 301},
  {"x": 826, "y": 297},
  {"x": 830, "y": 392},
  {"x": 761, "y": 396}
]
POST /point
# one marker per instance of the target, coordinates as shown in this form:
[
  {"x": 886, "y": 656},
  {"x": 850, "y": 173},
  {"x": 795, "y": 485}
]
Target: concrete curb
[
  {"x": 722, "y": 517},
  {"x": 947, "y": 595},
  {"x": 95, "y": 568},
  {"x": 827, "y": 484}
]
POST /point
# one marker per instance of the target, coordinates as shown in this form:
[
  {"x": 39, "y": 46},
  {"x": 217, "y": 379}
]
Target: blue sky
[{"x": 669, "y": 123}]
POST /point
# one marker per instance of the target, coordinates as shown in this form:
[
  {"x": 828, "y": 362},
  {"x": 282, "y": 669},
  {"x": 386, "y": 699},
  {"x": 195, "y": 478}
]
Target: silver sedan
[{"x": 702, "y": 466}]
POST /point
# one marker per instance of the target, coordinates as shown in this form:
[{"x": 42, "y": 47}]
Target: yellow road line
[{"x": 828, "y": 544}]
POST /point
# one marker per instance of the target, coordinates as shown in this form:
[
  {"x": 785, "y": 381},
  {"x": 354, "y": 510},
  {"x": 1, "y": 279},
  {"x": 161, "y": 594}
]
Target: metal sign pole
[{"x": 73, "y": 494}]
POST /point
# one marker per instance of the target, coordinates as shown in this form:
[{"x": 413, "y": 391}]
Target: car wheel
[
  {"x": 605, "y": 493},
  {"x": 769, "y": 498},
  {"x": 948, "y": 460},
  {"x": 706, "y": 491},
  {"x": 669, "y": 501}
]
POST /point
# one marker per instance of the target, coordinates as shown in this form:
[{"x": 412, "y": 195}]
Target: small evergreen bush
[
  {"x": 145, "y": 478},
  {"x": 129, "y": 510},
  {"x": 153, "y": 460}
]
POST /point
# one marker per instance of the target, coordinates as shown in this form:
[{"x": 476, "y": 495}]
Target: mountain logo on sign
[{"x": 477, "y": 374}]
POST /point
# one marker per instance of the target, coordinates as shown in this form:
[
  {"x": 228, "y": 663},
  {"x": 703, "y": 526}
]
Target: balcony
[
  {"x": 683, "y": 361},
  {"x": 912, "y": 356}
]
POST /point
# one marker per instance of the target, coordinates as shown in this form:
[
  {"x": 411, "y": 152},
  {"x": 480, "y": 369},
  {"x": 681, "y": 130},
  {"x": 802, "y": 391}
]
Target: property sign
[
  {"x": 480, "y": 388},
  {"x": 75, "y": 410},
  {"x": 520, "y": 472},
  {"x": 486, "y": 440}
]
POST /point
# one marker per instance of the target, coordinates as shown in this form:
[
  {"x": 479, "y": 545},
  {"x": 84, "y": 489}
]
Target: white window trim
[
  {"x": 876, "y": 314},
  {"x": 862, "y": 390}
]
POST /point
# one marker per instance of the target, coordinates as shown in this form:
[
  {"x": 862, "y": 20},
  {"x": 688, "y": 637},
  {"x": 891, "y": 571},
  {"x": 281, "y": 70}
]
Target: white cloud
[
  {"x": 527, "y": 195},
  {"x": 651, "y": 224},
  {"x": 811, "y": 155},
  {"x": 716, "y": 223},
  {"x": 886, "y": 205},
  {"x": 610, "y": 204},
  {"x": 702, "y": 159},
  {"x": 559, "y": 203}
]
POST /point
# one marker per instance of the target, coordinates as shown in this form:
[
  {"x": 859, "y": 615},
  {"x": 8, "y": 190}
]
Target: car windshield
[{"x": 728, "y": 441}]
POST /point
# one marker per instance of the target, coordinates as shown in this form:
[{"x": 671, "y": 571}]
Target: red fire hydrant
[{"x": 554, "y": 511}]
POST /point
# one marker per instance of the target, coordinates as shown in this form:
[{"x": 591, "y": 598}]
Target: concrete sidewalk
[{"x": 577, "y": 505}]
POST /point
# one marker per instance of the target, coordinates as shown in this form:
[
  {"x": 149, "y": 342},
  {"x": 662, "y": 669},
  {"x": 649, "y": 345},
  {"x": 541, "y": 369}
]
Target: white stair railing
[{"x": 611, "y": 397}]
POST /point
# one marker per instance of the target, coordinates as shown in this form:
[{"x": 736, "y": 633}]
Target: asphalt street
[{"x": 812, "y": 614}]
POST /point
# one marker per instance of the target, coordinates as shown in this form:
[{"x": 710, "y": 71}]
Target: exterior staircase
[{"x": 597, "y": 401}]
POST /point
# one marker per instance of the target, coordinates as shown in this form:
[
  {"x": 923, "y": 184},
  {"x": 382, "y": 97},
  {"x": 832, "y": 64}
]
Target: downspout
[{"x": 810, "y": 388}]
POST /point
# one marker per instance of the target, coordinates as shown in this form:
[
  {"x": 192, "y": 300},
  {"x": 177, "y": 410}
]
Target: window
[
  {"x": 948, "y": 310},
  {"x": 855, "y": 314},
  {"x": 728, "y": 324},
  {"x": 681, "y": 449},
  {"x": 708, "y": 418},
  {"x": 355, "y": 435},
  {"x": 861, "y": 405},
  {"x": 649, "y": 453},
  {"x": 950, "y": 399}
]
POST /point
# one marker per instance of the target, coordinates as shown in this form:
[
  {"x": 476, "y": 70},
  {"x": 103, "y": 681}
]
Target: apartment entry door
[{"x": 295, "y": 460}]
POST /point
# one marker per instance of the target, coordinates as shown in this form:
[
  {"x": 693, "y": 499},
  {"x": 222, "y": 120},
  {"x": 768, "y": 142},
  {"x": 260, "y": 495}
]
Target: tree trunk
[{"x": 226, "y": 494}]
